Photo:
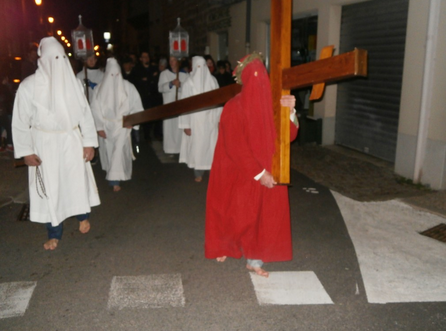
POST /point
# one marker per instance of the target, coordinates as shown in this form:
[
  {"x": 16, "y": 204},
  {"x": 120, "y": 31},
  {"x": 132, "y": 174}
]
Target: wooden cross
[{"x": 283, "y": 79}]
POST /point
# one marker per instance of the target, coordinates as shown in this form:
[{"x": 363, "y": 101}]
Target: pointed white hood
[{"x": 57, "y": 91}]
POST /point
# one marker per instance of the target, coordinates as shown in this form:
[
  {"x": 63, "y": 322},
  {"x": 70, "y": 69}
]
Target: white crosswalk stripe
[
  {"x": 396, "y": 262},
  {"x": 289, "y": 288},
  {"x": 152, "y": 291},
  {"x": 14, "y": 298}
]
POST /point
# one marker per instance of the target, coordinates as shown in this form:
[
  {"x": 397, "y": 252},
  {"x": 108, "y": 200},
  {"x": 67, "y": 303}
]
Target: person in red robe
[{"x": 246, "y": 213}]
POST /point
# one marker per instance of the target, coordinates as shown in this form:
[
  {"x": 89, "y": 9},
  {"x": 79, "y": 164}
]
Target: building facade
[{"x": 401, "y": 104}]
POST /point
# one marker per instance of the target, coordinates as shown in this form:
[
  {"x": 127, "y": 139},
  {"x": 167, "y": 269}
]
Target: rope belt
[
  {"x": 39, "y": 182},
  {"x": 46, "y": 131},
  {"x": 113, "y": 119}
]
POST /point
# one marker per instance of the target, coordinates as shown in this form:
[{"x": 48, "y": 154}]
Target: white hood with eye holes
[
  {"x": 111, "y": 92},
  {"x": 57, "y": 92}
]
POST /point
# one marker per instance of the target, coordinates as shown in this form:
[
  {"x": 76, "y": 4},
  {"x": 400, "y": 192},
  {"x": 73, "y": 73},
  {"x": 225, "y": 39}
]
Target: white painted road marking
[
  {"x": 290, "y": 288},
  {"x": 310, "y": 190},
  {"x": 397, "y": 263},
  {"x": 14, "y": 298},
  {"x": 153, "y": 291}
]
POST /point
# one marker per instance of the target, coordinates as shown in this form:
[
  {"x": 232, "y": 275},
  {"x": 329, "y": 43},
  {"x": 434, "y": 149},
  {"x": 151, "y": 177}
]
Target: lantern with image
[
  {"x": 179, "y": 42},
  {"x": 178, "y": 45},
  {"x": 83, "y": 47},
  {"x": 82, "y": 41}
]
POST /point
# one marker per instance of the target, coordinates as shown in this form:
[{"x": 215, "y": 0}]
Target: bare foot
[
  {"x": 259, "y": 271},
  {"x": 221, "y": 259},
  {"x": 84, "y": 226},
  {"x": 51, "y": 244},
  {"x": 198, "y": 179},
  {"x": 116, "y": 188}
]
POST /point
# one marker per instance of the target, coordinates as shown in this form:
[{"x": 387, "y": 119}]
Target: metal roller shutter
[{"x": 367, "y": 110}]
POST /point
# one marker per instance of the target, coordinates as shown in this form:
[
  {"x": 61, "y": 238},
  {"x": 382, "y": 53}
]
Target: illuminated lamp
[
  {"x": 178, "y": 42},
  {"x": 82, "y": 41}
]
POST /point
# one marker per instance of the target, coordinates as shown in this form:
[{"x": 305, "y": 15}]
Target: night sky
[{"x": 66, "y": 12}]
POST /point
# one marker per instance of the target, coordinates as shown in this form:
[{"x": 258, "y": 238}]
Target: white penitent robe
[
  {"x": 115, "y": 151},
  {"x": 171, "y": 133},
  {"x": 66, "y": 186},
  {"x": 94, "y": 77},
  {"x": 197, "y": 150}
]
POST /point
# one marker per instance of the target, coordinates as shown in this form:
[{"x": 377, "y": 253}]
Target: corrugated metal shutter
[{"x": 367, "y": 110}]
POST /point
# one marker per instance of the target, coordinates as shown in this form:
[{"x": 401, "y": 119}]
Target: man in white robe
[
  {"x": 200, "y": 129},
  {"x": 113, "y": 98},
  {"x": 54, "y": 131},
  {"x": 168, "y": 85},
  {"x": 94, "y": 75}
]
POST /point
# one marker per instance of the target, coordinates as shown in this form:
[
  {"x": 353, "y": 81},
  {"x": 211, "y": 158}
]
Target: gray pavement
[
  {"x": 362, "y": 177},
  {"x": 141, "y": 267}
]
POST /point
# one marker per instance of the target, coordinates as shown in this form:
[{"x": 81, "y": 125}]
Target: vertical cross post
[{"x": 280, "y": 59}]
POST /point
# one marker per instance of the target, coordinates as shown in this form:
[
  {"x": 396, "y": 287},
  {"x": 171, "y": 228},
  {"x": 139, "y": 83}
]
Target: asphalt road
[{"x": 142, "y": 266}]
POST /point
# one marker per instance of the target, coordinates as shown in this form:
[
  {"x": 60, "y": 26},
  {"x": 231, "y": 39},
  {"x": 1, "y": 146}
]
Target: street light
[
  {"x": 39, "y": 3},
  {"x": 107, "y": 36},
  {"x": 51, "y": 21}
]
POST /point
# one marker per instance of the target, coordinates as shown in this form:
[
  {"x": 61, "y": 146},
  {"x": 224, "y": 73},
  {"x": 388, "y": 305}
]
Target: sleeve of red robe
[{"x": 293, "y": 131}]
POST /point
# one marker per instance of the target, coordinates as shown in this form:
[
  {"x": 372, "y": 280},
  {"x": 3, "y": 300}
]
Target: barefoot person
[
  {"x": 54, "y": 131},
  {"x": 170, "y": 86},
  {"x": 246, "y": 213},
  {"x": 113, "y": 98},
  {"x": 201, "y": 128}
]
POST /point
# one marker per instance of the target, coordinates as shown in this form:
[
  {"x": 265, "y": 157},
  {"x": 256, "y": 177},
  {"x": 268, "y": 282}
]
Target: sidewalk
[{"x": 362, "y": 177}]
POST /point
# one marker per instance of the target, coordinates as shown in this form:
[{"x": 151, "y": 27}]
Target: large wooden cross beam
[
  {"x": 283, "y": 79},
  {"x": 347, "y": 65}
]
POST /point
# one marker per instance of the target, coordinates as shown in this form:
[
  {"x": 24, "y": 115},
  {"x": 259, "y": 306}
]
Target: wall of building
[
  {"x": 434, "y": 165},
  {"x": 328, "y": 33},
  {"x": 329, "y": 13},
  {"x": 411, "y": 89},
  {"x": 237, "y": 33},
  {"x": 433, "y": 152},
  {"x": 421, "y": 146}
]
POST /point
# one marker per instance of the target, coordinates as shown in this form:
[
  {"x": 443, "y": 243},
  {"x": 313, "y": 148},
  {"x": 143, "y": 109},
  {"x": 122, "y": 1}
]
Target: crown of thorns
[{"x": 243, "y": 63}]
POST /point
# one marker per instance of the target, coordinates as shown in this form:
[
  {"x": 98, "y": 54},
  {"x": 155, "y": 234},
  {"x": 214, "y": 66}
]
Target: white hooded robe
[
  {"x": 197, "y": 150},
  {"x": 171, "y": 133},
  {"x": 114, "y": 98},
  {"x": 52, "y": 119}
]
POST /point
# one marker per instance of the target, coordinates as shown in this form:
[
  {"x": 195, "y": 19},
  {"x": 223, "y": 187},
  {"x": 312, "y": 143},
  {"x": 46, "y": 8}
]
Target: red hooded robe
[{"x": 243, "y": 217}]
